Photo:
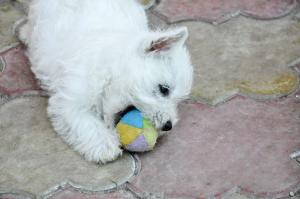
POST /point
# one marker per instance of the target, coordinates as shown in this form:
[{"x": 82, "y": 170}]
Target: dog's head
[{"x": 160, "y": 76}]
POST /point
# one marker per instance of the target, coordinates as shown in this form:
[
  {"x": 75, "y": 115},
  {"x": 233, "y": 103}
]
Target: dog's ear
[{"x": 166, "y": 41}]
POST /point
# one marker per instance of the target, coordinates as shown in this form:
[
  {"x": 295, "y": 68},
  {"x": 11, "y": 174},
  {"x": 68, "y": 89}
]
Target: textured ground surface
[
  {"x": 236, "y": 132},
  {"x": 229, "y": 142},
  {"x": 34, "y": 158},
  {"x": 244, "y": 57},
  {"x": 217, "y": 11},
  {"x": 8, "y": 15}
]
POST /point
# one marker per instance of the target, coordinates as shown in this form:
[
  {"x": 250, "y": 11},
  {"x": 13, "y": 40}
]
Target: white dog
[{"x": 98, "y": 59}]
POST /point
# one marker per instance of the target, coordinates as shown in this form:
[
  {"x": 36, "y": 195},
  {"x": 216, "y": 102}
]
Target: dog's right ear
[{"x": 164, "y": 42}]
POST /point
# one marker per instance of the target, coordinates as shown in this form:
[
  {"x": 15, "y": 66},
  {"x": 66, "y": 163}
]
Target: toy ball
[{"x": 137, "y": 134}]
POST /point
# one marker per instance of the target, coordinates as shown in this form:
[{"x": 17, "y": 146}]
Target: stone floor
[{"x": 237, "y": 130}]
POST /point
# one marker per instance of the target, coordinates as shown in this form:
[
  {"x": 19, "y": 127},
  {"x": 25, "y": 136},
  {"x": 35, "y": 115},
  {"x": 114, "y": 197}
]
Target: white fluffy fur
[{"x": 95, "y": 58}]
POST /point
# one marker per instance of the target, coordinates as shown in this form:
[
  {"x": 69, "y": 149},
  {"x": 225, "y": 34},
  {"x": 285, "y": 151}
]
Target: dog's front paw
[
  {"x": 105, "y": 151},
  {"x": 109, "y": 152}
]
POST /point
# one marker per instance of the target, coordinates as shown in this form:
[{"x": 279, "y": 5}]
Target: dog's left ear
[{"x": 166, "y": 41}]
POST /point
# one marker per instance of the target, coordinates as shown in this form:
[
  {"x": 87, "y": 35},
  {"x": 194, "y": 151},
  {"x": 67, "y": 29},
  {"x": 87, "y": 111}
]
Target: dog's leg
[{"x": 80, "y": 128}]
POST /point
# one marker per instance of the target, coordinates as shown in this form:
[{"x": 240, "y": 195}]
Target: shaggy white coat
[{"x": 96, "y": 57}]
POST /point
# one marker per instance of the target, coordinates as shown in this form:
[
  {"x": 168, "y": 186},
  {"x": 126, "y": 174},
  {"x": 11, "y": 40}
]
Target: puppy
[{"x": 98, "y": 59}]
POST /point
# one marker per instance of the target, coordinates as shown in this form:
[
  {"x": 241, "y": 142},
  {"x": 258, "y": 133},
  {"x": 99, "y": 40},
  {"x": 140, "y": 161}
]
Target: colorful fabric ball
[{"x": 136, "y": 133}]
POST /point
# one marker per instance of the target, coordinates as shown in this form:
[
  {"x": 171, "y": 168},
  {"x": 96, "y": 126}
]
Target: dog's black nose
[{"x": 167, "y": 126}]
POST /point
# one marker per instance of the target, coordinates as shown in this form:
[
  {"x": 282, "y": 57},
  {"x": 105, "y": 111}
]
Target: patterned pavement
[
  {"x": 218, "y": 11},
  {"x": 16, "y": 76},
  {"x": 243, "y": 57},
  {"x": 8, "y": 15},
  {"x": 236, "y": 132}
]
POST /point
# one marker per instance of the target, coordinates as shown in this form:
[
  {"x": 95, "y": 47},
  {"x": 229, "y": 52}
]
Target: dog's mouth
[{"x": 119, "y": 115}]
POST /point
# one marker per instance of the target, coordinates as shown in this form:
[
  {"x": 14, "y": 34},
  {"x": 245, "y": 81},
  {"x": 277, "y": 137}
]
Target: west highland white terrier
[{"x": 98, "y": 59}]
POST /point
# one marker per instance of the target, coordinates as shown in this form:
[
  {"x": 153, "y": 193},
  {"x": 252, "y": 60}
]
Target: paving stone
[
  {"x": 24, "y": 4},
  {"x": 34, "y": 158},
  {"x": 15, "y": 196},
  {"x": 243, "y": 56},
  {"x": 155, "y": 22},
  {"x": 235, "y": 193},
  {"x": 237, "y": 196},
  {"x": 241, "y": 143},
  {"x": 2, "y": 64},
  {"x": 16, "y": 76},
  {"x": 73, "y": 194},
  {"x": 297, "y": 16},
  {"x": 218, "y": 11},
  {"x": 8, "y": 16}
]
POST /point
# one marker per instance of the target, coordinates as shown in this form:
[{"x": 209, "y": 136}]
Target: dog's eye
[{"x": 164, "y": 89}]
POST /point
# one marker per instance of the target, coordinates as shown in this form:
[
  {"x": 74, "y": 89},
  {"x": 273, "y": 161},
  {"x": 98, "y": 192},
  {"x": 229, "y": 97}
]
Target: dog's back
[
  {"x": 53, "y": 25},
  {"x": 74, "y": 15}
]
